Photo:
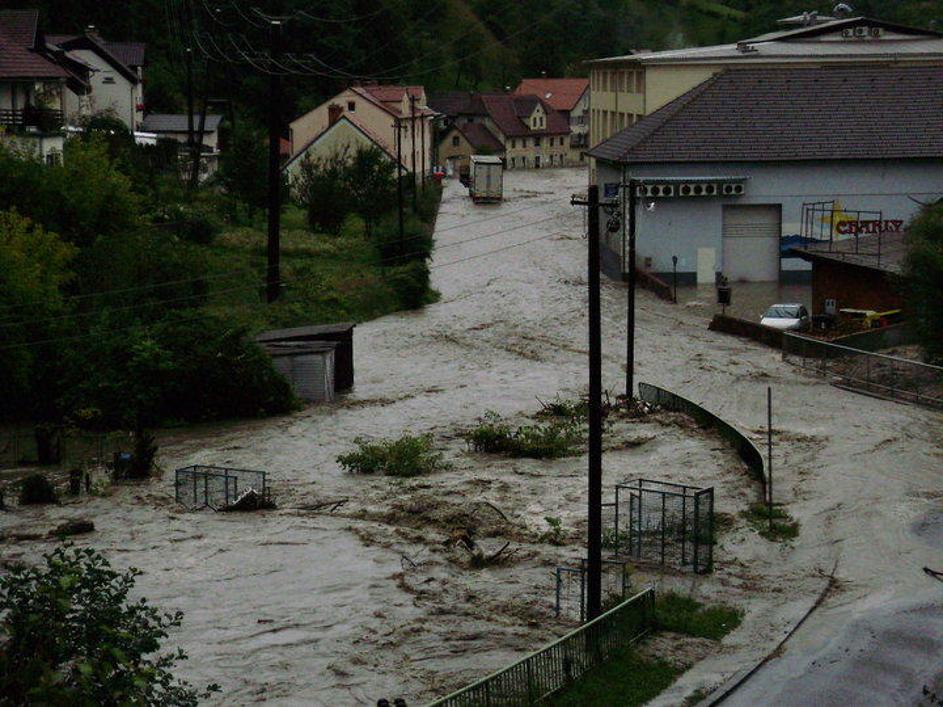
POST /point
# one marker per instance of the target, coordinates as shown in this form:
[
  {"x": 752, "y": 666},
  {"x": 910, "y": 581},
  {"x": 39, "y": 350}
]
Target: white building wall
[
  {"x": 111, "y": 90},
  {"x": 679, "y": 226}
]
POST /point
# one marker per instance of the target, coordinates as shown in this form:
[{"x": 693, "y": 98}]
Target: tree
[
  {"x": 323, "y": 188},
  {"x": 371, "y": 179},
  {"x": 923, "y": 273},
  {"x": 243, "y": 168},
  {"x": 71, "y": 636}
]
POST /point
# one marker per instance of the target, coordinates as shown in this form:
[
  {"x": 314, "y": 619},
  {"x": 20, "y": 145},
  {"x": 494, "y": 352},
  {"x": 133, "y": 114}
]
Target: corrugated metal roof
[{"x": 762, "y": 115}]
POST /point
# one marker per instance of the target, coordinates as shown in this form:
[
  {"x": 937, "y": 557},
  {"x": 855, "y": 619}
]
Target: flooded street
[{"x": 299, "y": 606}]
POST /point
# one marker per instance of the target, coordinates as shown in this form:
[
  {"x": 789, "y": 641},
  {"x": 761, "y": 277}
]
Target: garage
[{"x": 751, "y": 242}]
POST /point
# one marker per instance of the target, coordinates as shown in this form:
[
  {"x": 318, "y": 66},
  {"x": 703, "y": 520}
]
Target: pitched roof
[
  {"x": 93, "y": 41},
  {"x": 390, "y": 97},
  {"x": 452, "y": 102},
  {"x": 19, "y": 57},
  {"x": 562, "y": 94},
  {"x": 750, "y": 115},
  {"x": 480, "y": 138},
  {"x": 128, "y": 53},
  {"x": 358, "y": 125},
  {"x": 178, "y": 122},
  {"x": 508, "y": 112}
]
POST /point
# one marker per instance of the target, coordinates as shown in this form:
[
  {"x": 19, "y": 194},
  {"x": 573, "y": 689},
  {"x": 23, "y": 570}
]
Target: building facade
[
  {"x": 570, "y": 97},
  {"x": 728, "y": 191},
  {"x": 625, "y": 88},
  {"x": 396, "y": 116}
]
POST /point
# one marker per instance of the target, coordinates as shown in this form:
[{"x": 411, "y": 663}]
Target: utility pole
[
  {"x": 422, "y": 146},
  {"x": 412, "y": 141},
  {"x": 594, "y": 510},
  {"x": 769, "y": 454},
  {"x": 273, "y": 275},
  {"x": 632, "y": 186},
  {"x": 188, "y": 58},
  {"x": 399, "y": 181}
]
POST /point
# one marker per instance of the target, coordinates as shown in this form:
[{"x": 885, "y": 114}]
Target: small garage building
[{"x": 738, "y": 170}]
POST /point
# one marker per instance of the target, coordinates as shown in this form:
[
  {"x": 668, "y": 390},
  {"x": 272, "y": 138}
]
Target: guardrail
[
  {"x": 867, "y": 372},
  {"x": 747, "y": 451},
  {"x": 559, "y": 664}
]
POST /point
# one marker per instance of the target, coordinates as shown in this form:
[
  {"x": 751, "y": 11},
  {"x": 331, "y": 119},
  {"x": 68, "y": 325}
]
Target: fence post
[
  {"x": 697, "y": 531},
  {"x": 615, "y": 537},
  {"x": 684, "y": 526},
  {"x": 663, "y": 523}
]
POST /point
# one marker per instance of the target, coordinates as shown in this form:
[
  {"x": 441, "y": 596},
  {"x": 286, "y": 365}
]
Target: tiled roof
[
  {"x": 562, "y": 94},
  {"x": 128, "y": 53},
  {"x": 479, "y": 137},
  {"x": 509, "y": 111},
  {"x": 885, "y": 252},
  {"x": 453, "y": 102},
  {"x": 177, "y": 122},
  {"x": 750, "y": 115},
  {"x": 93, "y": 41},
  {"x": 390, "y": 97},
  {"x": 18, "y": 59}
]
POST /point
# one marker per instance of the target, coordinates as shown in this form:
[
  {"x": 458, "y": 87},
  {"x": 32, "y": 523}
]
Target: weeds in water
[
  {"x": 674, "y": 612},
  {"x": 576, "y": 410},
  {"x": 404, "y": 457},
  {"x": 782, "y": 528},
  {"x": 554, "y": 533},
  {"x": 550, "y": 440}
]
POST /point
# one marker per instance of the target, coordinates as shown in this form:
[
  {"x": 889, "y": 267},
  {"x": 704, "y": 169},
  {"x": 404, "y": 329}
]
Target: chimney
[
  {"x": 92, "y": 31},
  {"x": 334, "y": 113}
]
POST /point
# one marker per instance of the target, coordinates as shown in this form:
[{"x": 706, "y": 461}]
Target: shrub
[
  {"x": 577, "y": 409},
  {"x": 407, "y": 456},
  {"x": 416, "y": 243},
  {"x": 145, "y": 450},
  {"x": 923, "y": 274},
  {"x": 428, "y": 202},
  {"x": 681, "y": 614},
  {"x": 783, "y": 526},
  {"x": 71, "y": 634},
  {"x": 411, "y": 283},
  {"x": 549, "y": 440},
  {"x": 554, "y": 533},
  {"x": 36, "y": 489}
]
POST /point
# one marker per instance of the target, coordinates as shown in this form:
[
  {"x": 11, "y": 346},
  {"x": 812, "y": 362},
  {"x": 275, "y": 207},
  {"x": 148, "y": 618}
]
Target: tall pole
[
  {"x": 630, "y": 312},
  {"x": 188, "y": 58},
  {"x": 273, "y": 275},
  {"x": 422, "y": 146},
  {"x": 412, "y": 142},
  {"x": 769, "y": 454},
  {"x": 399, "y": 181},
  {"x": 594, "y": 548}
]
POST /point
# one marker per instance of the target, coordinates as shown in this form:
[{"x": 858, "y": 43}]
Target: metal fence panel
[
  {"x": 868, "y": 372},
  {"x": 556, "y": 666},
  {"x": 201, "y": 486}
]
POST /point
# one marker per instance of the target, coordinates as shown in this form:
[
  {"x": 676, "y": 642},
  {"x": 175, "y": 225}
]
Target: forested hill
[{"x": 484, "y": 44}]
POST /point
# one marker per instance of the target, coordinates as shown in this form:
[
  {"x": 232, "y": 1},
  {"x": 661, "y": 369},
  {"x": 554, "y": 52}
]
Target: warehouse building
[{"x": 748, "y": 164}]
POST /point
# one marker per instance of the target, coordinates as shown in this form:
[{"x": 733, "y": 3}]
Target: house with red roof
[
  {"x": 396, "y": 118},
  {"x": 569, "y": 96},
  {"x": 531, "y": 134}
]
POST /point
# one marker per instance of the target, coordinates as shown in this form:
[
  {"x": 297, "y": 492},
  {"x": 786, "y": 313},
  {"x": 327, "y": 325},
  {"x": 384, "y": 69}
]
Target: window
[
  {"x": 108, "y": 78},
  {"x": 53, "y": 158},
  {"x": 524, "y": 161},
  {"x": 513, "y": 143},
  {"x": 537, "y": 143},
  {"x": 351, "y": 107},
  {"x": 551, "y": 160},
  {"x": 455, "y": 141},
  {"x": 513, "y": 162},
  {"x": 537, "y": 161}
]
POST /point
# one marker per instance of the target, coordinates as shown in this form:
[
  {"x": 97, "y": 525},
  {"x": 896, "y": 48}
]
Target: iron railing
[
  {"x": 48, "y": 119},
  {"x": 559, "y": 664},
  {"x": 874, "y": 373}
]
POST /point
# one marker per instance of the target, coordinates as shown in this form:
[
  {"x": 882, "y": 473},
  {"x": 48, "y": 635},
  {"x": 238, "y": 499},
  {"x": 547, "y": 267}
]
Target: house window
[
  {"x": 537, "y": 143},
  {"x": 513, "y": 162},
  {"x": 455, "y": 141},
  {"x": 351, "y": 107},
  {"x": 513, "y": 144},
  {"x": 53, "y": 158},
  {"x": 108, "y": 79},
  {"x": 551, "y": 160},
  {"x": 524, "y": 161},
  {"x": 537, "y": 161}
]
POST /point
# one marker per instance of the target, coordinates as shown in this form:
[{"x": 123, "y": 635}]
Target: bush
[
  {"x": 407, "y": 456},
  {"x": 145, "y": 450},
  {"x": 782, "y": 528},
  {"x": 428, "y": 202},
  {"x": 71, "y": 635},
  {"x": 541, "y": 441},
  {"x": 681, "y": 614},
  {"x": 923, "y": 275},
  {"x": 195, "y": 224},
  {"x": 37, "y": 489},
  {"x": 416, "y": 243},
  {"x": 411, "y": 283}
]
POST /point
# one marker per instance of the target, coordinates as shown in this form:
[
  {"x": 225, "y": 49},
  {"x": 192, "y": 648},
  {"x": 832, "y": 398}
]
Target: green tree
[
  {"x": 923, "y": 274},
  {"x": 34, "y": 265},
  {"x": 71, "y": 635},
  {"x": 371, "y": 183},
  {"x": 323, "y": 189},
  {"x": 244, "y": 166}
]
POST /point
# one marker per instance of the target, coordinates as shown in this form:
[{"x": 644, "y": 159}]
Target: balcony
[{"x": 45, "y": 120}]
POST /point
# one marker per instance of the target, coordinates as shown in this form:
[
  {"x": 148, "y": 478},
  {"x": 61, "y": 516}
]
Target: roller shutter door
[{"x": 751, "y": 242}]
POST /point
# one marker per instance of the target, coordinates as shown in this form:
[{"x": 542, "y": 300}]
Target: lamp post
[{"x": 674, "y": 277}]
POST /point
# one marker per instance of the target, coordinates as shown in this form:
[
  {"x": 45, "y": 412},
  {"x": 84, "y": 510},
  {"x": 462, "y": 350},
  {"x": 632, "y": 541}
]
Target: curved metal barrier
[{"x": 748, "y": 451}]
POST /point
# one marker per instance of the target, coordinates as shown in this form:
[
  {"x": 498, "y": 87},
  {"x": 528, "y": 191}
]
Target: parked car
[{"x": 791, "y": 317}]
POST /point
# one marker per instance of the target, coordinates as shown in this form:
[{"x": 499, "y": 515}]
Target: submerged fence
[
  {"x": 215, "y": 487},
  {"x": 553, "y": 667},
  {"x": 890, "y": 376},
  {"x": 60, "y": 446},
  {"x": 571, "y": 588}
]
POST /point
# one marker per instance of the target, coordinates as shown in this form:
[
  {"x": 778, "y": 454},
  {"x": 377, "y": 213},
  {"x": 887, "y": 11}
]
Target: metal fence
[
  {"x": 559, "y": 664},
  {"x": 215, "y": 487},
  {"x": 66, "y": 447},
  {"x": 879, "y": 374},
  {"x": 571, "y": 588},
  {"x": 663, "y": 523}
]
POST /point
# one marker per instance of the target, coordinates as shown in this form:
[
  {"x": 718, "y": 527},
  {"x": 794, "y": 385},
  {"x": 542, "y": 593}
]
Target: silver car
[{"x": 790, "y": 317}]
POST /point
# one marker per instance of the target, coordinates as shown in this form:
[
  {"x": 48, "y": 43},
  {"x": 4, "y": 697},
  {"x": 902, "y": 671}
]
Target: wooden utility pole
[
  {"x": 412, "y": 140},
  {"x": 273, "y": 274},
  {"x": 632, "y": 186},
  {"x": 594, "y": 508},
  {"x": 422, "y": 146},
  {"x": 399, "y": 182},
  {"x": 769, "y": 455}
]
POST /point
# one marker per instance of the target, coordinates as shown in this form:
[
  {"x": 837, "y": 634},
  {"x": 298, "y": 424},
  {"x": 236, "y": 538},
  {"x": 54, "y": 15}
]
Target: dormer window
[{"x": 351, "y": 107}]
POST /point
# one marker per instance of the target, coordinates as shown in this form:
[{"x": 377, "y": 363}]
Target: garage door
[{"x": 751, "y": 242}]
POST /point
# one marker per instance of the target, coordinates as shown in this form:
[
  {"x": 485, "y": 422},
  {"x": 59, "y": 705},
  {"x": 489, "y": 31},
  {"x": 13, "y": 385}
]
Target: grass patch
[
  {"x": 783, "y": 527},
  {"x": 681, "y": 614},
  {"x": 547, "y": 440},
  {"x": 404, "y": 457},
  {"x": 626, "y": 680}
]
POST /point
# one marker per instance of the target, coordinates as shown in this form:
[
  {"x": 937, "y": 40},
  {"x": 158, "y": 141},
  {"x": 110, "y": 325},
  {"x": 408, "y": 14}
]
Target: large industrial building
[{"x": 749, "y": 163}]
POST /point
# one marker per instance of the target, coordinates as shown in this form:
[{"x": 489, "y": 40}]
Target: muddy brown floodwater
[{"x": 305, "y": 607}]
